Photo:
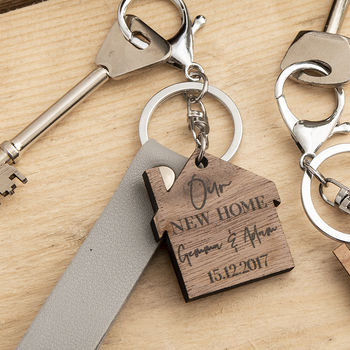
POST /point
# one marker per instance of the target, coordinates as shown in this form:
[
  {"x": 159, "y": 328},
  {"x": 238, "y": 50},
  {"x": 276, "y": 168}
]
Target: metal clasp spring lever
[{"x": 309, "y": 135}]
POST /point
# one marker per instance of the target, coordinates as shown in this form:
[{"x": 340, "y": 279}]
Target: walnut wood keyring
[{"x": 179, "y": 88}]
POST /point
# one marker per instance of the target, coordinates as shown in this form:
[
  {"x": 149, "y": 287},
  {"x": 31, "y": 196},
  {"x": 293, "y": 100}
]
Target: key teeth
[
  {"x": 12, "y": 190},
  {"x": 21, "y": 177},
  {"x": 9, "y": 192},
  {"x": 8, "y": 173}
]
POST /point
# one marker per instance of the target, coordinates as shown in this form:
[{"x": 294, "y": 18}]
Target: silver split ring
[
  {"x": 306, "y": 194},
  {"x": 188, "y": 87}
]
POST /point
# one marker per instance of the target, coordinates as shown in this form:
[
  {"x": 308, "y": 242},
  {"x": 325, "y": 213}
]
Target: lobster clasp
[
  {"x": 309, "y": 135},
  {"x": 181, "y": 43}
]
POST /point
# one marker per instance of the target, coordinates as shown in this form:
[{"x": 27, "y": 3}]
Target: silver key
[
  {"x": 328, "y": 48},
  {"x": 116, "y": 58}
]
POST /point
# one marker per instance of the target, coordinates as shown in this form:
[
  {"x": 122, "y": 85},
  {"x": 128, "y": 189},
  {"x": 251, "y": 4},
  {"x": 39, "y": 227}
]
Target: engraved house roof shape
[{"x": 221, "y": 178}]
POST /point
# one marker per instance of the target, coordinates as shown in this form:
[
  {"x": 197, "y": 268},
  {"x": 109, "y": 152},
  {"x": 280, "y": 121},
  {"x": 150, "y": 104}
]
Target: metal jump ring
[
  {"x": 193, "y": 68},
  {"x": 127, "y": 32},
  {"x": 186, "y": 87},
  {"x": 317, "y": 175},
  {"x": 307, "y": 199},
  {"x": 205, "y": 81},
  {"x": 322, "y": 194},
  {"x": 314, "y": 172},
  {"x": 305, "y": 159}
]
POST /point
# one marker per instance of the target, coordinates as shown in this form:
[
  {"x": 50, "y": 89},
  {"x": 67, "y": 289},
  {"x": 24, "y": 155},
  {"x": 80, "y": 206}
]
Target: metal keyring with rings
[
  {"x": 187, "y": 87},
  {"x": 198, "y": 76},
  {"x": 309, "y": 135},
  {"x": 307, "y": 199}
]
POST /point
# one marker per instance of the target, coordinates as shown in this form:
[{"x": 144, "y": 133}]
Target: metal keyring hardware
[
  {"x": 127, "y": 32},
  {"x": 309, "y": 135},
  {"x": 307, "y": 199},
  {"x": 187, "y": 87},
  {"x": 181, "y": 43}
]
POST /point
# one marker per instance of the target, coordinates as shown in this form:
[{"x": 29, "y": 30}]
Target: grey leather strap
[{"x": 96, "y": 284}]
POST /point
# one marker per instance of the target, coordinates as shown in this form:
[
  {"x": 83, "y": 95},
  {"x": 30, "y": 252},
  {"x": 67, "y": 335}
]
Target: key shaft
[
  {"x": 336, "y": 16},
  {"x": 116, "y": 58},
  {"x": 10, "y": 149}
]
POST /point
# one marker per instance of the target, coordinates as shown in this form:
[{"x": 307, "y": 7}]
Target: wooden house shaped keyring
[{"x": 220, "y": 224}]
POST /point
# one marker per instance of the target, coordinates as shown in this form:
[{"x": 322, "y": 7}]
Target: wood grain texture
[
  {"x": 75, "y": 168},
  {"x": 343, "y": 255},
  {"x": 221, "y": 226}
]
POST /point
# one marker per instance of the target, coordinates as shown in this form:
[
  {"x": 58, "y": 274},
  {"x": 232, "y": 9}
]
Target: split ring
[
  {"x": 306, "y": 194},
  {"x": 189, "y": 87}
]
